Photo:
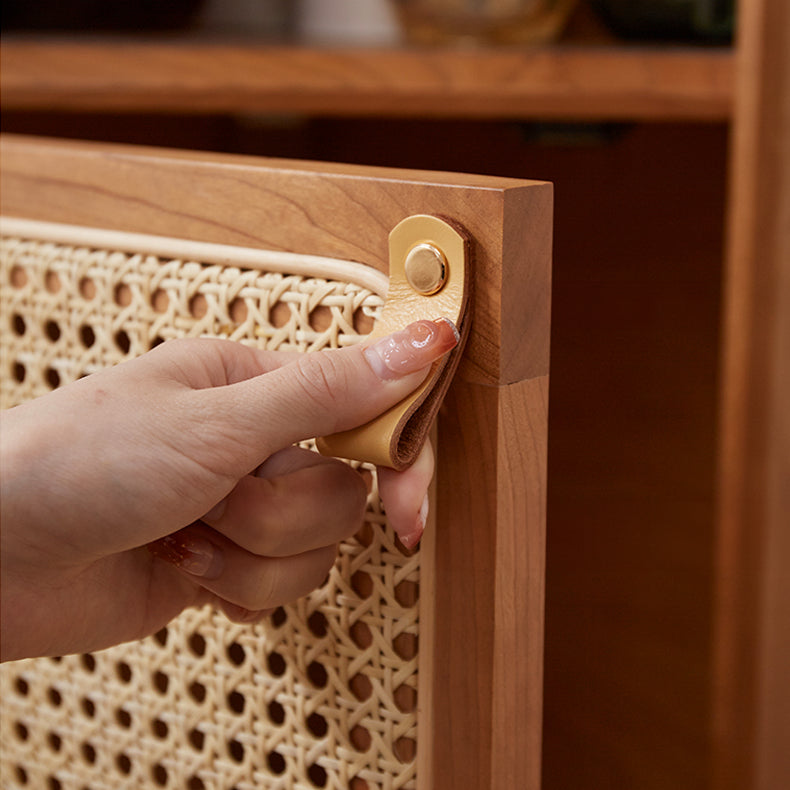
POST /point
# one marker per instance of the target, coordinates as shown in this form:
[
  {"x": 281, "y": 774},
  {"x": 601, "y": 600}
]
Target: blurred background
[{"x": 377, "y": 21}]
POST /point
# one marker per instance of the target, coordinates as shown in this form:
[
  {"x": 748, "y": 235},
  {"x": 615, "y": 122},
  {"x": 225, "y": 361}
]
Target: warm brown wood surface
[
  {"x": 569, "y": 83},
  {"x": 486, "y": 586},
  {"x": 752, "y": 678},
  {"x": 633, "y": 394},
  {"x": 309, "y": 208},
  {"x": 639, "y": 218}
]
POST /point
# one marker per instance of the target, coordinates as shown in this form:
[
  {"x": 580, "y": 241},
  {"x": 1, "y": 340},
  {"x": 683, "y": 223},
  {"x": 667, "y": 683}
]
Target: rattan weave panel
[{"x": 324, "y": 693}]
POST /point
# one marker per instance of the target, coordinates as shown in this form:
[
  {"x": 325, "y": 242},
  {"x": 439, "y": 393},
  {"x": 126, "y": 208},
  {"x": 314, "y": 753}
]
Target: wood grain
[
  {"x": 638, "y": 245},
  {"x": 488, "y": 586},
  {"x": 751, "y": 688},
  {"x": 519, "y": 585},
  {"x": 568, "y": 83},
  {"x": 321, "y": 209},
  {"x": 484, "y": 662}
]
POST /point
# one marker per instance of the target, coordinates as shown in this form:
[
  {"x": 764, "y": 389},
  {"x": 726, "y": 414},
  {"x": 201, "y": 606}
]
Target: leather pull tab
[{"x": 429, "y": 279}]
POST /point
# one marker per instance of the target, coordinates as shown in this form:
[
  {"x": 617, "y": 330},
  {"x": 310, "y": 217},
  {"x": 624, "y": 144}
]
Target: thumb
[{"x": 334, "y": 390}]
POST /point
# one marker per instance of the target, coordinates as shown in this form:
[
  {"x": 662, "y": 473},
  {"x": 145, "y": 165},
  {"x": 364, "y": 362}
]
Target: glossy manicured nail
[
  {"x": 188, "y": 553},
  {"x": 413, "y": 348},
  {"x": 413, "y": 538}
]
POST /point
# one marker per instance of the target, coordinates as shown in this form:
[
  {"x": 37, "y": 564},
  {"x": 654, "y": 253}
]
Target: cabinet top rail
[{"x": 562, "y": 82}]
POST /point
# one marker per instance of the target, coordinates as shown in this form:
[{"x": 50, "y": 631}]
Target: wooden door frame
[{"x": 482, "y": 715}]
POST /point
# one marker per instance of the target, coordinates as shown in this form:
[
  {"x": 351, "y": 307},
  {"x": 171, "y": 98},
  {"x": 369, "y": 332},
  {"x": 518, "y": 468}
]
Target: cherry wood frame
[
  {"x": 751, "y": 688},
  {"x": 482, "y": 592}
]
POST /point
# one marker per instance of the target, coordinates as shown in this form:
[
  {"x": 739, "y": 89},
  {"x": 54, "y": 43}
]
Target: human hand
[{"x": 186, "y": 455}]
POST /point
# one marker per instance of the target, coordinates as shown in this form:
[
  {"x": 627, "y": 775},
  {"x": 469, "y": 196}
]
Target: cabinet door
[{"x": 405, "y": 670}]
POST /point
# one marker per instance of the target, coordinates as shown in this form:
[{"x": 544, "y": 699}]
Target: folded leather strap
[{"x": 426, "y": 253}]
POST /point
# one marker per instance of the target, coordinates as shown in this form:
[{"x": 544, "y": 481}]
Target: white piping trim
[{"x": 203, "y": 252}]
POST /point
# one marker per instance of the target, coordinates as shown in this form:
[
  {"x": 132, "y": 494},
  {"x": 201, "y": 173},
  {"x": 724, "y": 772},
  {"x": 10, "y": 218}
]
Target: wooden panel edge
[
  {"x": 425, "y": 715},
  {"x": 326, "y": 210},
  {"x": 489, "y": 587},
  {"x": 526, "y": 282},
  {"x": 32, "y": 144},
  {"x": 751, "y": 695},
  {"x": 517, "y": 716}
]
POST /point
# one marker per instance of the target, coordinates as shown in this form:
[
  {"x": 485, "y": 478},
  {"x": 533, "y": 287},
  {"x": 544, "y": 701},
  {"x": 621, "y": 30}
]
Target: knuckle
[
  {"x": 322, "y": 379},
  {"x": 180, "y": 347}
]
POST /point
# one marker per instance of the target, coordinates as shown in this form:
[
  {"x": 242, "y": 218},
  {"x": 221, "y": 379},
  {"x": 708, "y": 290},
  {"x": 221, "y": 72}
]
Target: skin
[{"x": 171, "y": 481}]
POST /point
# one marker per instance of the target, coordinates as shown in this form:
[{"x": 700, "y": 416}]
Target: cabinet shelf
[{"x": 564, "y": 82}]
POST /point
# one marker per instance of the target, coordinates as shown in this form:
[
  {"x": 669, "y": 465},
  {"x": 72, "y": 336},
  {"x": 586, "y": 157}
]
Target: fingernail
[
  {"x": 188, "y": 553},
  {"x": 217, "y": 511},
  {"x": 413, "y": 538},
  {"x": 413, "y": 348},
  {"x": 239, "y": 614}
]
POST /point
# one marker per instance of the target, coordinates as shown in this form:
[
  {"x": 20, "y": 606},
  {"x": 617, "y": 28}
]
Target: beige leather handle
[{"x": 429, "y": 279}]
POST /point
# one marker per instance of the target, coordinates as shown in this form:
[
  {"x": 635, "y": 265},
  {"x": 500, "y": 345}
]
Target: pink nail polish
[
  {"x": 413, "y": 348},
  {"x": 189, "y": 553}
]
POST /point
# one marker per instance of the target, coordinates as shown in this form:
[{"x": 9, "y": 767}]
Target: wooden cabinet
[
  {"x": 480, "y": 573},
  {"x": 666, "y": 619}
]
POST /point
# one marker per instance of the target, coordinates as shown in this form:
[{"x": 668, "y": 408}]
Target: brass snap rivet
[{"x": 425, "y": 268}]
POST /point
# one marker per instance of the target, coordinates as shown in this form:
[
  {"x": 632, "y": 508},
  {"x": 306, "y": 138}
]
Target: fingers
[
  {"x": 273, "y": 538},
  {"x": 328, "y": 391},
  {"x": 238, "y": 614},
  {"x": 240, "y": 577},
  {"x": 298, "y": 501},
  {"x": 405, "y": 496},
  {"x": 287, "y": 460},
  {"x": 212, "y": 362}
]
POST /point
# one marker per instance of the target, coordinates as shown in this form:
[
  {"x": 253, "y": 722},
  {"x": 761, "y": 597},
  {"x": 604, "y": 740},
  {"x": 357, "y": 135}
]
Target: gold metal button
[{"x": 426, "y": 268}]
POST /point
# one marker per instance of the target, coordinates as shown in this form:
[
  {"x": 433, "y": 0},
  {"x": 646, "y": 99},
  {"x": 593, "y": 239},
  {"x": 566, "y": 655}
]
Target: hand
[{"x": 186, "y": 455}]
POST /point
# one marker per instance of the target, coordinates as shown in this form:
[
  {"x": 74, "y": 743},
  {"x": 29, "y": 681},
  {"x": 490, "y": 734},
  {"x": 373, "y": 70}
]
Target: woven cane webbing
[{"x": 321, "y": 695}]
